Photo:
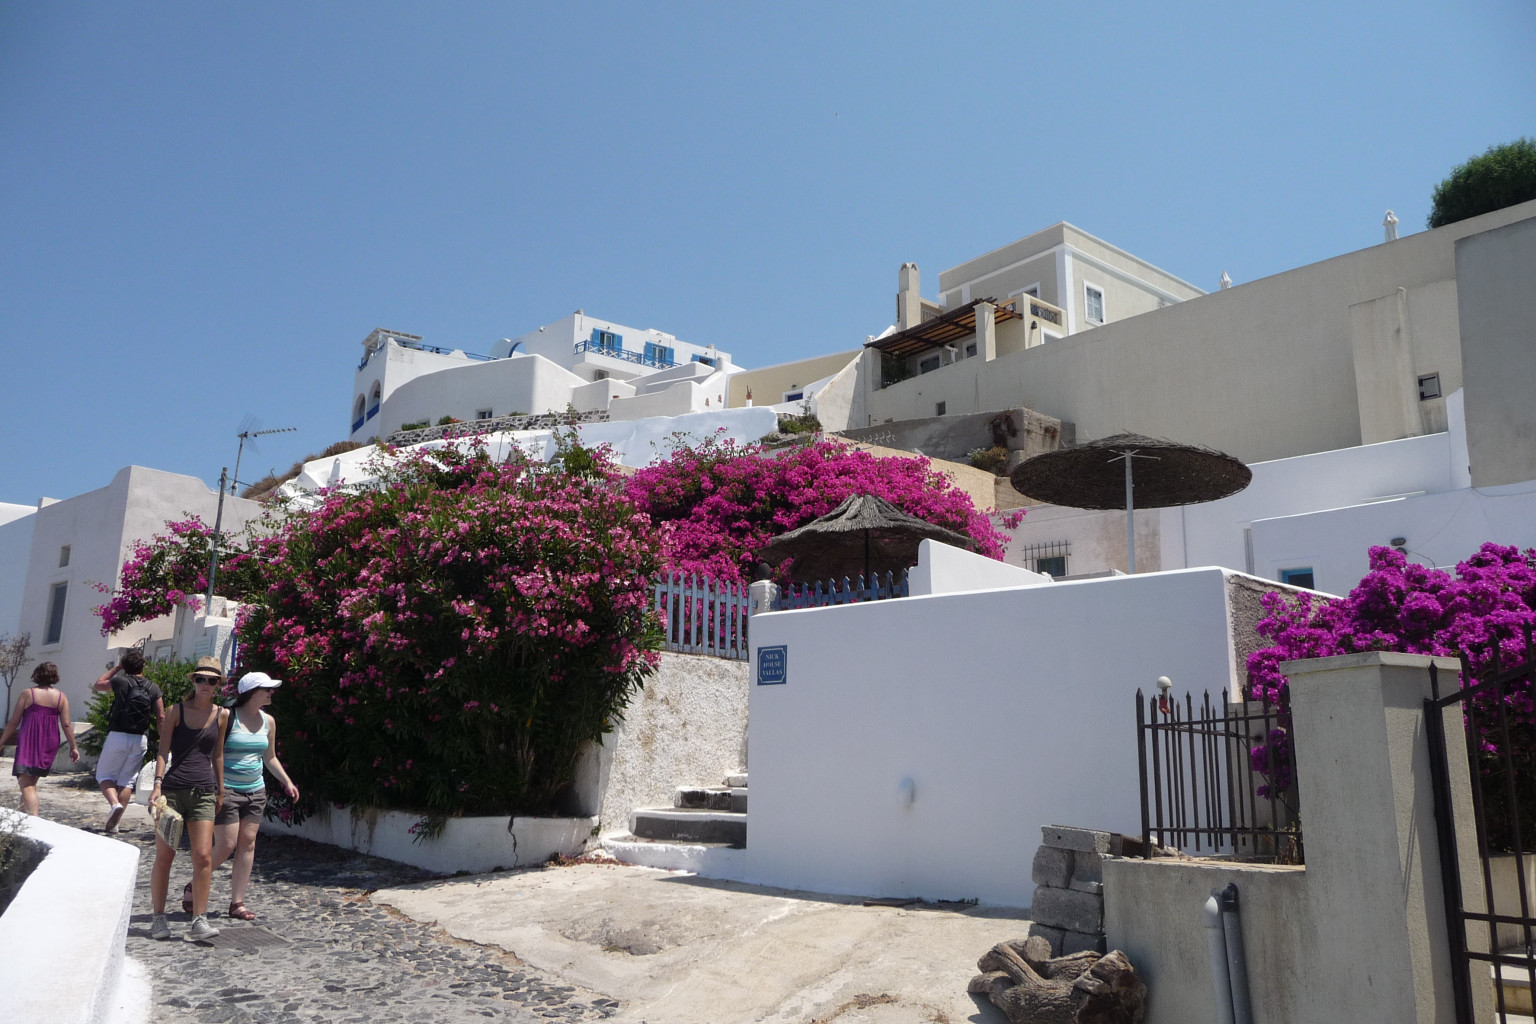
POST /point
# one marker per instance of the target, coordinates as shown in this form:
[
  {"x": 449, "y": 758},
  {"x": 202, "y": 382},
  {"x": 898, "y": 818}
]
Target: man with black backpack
[{"x": 136, "y": 705}]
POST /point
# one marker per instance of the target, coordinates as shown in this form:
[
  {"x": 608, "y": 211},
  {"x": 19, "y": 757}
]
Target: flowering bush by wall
[
  {"x": 170, "y": 570},
  {"x": 1401, "y": 606},
  {"x": 718, "y": 502},
  {"x": 450, "y": 639}
]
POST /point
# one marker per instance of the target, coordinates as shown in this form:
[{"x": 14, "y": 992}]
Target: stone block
[
  {"x": 1078, "y": 942},
  {"x": 1078, "y": 885},
  {"x": 1063, "y": 837},
  {"x": 1087, "y": 867},
  {"x": 1050, "y": 935},
  {"x": 1068, "y": 909},
  {"x": 1053, "y": 867}
]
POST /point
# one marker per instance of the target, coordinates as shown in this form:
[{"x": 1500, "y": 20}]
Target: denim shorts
[
  {"x": 192, "y": 804},
  {"x": 242, "y": 807}
]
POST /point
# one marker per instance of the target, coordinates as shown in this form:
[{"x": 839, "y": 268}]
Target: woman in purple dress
[{"x": 35, "y": 723}]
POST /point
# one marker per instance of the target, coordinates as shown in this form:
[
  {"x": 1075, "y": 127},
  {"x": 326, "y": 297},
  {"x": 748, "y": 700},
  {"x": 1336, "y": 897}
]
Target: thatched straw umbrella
[
  {"x": 1167, "y": 473},
  {"x": 864, "y": 530}
]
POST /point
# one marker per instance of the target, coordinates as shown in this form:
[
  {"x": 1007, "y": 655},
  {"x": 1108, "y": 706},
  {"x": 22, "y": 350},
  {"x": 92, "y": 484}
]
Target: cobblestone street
[{"x": 319, "y": 950}]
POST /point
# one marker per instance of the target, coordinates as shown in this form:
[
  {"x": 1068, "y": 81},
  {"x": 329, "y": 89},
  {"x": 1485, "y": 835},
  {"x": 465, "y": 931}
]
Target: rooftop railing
[
  {"x": 638, "y": 358},
  {"x": 436, "y": 349}
]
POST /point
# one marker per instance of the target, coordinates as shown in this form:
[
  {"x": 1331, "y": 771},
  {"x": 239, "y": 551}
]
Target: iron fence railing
[
  {"x": 1492, "y": 931},
  {"x": 703, "y": 615},
  {"x": 639, "y": 358},
  {"x": 821, "y": 593},
  {"x": 1218, "y": 778}
]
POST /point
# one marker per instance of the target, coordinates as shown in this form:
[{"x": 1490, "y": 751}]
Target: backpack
[{"x": 138, "y": 709}]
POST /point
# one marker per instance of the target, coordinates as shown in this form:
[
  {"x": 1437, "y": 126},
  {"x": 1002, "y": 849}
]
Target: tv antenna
[{"x": 245, "y": 435}]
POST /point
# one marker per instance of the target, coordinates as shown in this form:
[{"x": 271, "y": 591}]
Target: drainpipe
[
  {"x": 1216, "y": 942},
  {"x": 1237, "y": 966}
]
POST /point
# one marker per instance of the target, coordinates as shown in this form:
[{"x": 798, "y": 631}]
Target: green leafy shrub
[
  {"x": 446, "y": 420},
  {"x": 993, "y": 459},
  {"x": 416, "y": 425},
  {"x": 170, "y": 676},
  {"x": 452, "y": 638},
  {"x": 1503, "y": 176}
]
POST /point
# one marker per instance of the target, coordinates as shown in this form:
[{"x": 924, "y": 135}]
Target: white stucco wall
[
  {"x": 100, "y": 528},
  {"x": 1007, "y": 709},
  {"x": 65, "y": 932},
  {"x": 687, "y": 727},
  {"x": 521, "y": 384},
  {"x": 945, "y": 569},
  {"x": 15, "y": 552}
]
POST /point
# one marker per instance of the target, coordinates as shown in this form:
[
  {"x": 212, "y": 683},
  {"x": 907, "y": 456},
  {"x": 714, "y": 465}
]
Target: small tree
[
  {"x": 13, "y": 655},
  {"x": 1503, "y": 176}
]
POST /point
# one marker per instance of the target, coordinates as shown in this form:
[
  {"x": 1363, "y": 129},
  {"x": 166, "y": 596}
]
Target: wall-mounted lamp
[{"x": 1400, "y": 544}]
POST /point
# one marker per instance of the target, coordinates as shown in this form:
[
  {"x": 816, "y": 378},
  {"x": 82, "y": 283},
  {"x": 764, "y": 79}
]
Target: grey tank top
[{"x": 192, "y": 753}]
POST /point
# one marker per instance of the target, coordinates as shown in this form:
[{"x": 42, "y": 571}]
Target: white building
[
  {"x": 581, "y": 361},
  {"x": 1413, "y": 359},
  {"x": 53, "y": 554}
]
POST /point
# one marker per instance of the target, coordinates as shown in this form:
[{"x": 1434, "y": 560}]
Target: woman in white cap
[{"x": 249, "y": 742}]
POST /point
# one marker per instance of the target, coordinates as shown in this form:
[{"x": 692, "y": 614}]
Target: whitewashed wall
[
  {"x": 15, "y": 551},
  {"x": 1007, "y": 710},
  {"x": 943, "y": 569},
  {"x": 100, "y": 528}
]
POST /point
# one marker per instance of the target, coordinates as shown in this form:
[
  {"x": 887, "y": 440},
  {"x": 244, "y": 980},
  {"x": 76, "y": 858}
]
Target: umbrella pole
[{"x": 1130, "y": 517}]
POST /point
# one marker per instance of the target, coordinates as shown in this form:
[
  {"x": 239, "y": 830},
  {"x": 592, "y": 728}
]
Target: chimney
[{"x": 909, "y": 303}]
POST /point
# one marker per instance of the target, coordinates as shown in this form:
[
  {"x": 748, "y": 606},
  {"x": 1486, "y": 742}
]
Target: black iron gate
[{"x": 1491, "y": 931}]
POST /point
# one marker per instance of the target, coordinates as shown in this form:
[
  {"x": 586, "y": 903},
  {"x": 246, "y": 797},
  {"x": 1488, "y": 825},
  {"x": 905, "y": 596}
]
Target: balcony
[
  {"x": 438, "y": 350},
  {"x": 639, "y": 359}
]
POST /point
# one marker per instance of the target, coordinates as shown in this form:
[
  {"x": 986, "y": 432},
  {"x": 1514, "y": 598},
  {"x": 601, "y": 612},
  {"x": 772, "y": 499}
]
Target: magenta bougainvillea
[
  {"x": 1485, "y": 605},
  {"x": 718, "y": 502}
]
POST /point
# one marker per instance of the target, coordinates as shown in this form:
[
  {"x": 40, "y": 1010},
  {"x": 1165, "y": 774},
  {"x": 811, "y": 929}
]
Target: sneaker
[
  {"x": 115, "y": 817},
  {"x": 200, "y": 930},
  {"x": 160, "y": 929}
]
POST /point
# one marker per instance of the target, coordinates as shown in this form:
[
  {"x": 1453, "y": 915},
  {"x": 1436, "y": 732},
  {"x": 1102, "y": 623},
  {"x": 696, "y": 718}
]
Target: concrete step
[
  {"x": 692, "y": 825},
  {"x": 714, "y": 798},
  {"x": 737, "y": 781}
]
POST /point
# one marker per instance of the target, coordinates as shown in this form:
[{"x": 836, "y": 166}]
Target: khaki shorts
[
  {"x": 192, "y": 804},
  {"x": 242, "y": 807}
]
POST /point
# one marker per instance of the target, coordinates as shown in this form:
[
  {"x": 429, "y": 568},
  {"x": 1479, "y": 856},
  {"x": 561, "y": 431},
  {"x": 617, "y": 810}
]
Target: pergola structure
[{"x": 942, "y": 330}]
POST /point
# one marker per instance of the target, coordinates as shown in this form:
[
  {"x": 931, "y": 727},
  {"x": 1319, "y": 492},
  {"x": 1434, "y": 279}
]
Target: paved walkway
[{"x": 320, "y": 950}]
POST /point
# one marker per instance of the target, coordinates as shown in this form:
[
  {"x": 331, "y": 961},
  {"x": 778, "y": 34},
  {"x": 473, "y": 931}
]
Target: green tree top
[{"x": 1503, "y": 176}]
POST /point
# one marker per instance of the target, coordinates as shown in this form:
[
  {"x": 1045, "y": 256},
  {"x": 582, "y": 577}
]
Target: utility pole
[
  {"x": 213, "y": 561},
  {"x": 218, "y": 519}
]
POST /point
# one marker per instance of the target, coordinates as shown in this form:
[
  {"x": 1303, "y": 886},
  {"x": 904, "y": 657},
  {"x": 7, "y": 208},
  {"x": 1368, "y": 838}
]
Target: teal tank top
[{"x": 243, "y": 752}]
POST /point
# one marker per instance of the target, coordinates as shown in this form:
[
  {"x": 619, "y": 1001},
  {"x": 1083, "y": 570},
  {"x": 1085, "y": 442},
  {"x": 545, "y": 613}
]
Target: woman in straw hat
[
  {"x": 193, "y": 788},
  {"x": 249, "y": 743}
]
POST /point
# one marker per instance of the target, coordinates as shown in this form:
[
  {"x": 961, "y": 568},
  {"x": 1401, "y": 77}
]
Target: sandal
[
  {"x": 238, "y": 911},
  {"x": 186, "y": 898}
]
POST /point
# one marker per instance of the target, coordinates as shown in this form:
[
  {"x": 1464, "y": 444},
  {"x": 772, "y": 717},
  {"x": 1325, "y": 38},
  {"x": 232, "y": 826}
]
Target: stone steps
[
  {"x": 700, "y": 815},
  {"x": 690, "y": 825},
  {"x": 714, "y": 798}
]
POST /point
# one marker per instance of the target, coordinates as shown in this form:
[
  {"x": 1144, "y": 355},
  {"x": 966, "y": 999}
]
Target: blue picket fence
[
  {"x": 703, "y": 615},
  {"x": 850, "y": 591}
]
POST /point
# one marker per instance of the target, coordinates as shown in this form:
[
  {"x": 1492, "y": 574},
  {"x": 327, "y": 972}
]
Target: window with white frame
[
  {"x": 1093, "y": 303},
  {"x": 482, "y": 414},
  {"x": 64, "y": 556},
  {"x": 928, "y": 365}
]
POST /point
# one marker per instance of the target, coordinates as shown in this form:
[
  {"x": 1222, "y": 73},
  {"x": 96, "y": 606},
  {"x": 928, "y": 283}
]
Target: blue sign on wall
[{"x": 772, "y": 665}]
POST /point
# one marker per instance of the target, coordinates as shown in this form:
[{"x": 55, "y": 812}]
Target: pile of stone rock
[{"x": 1068, "y": 908}]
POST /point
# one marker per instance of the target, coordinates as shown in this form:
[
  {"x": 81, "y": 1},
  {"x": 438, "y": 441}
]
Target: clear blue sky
[{"x": 204, "y": 208}]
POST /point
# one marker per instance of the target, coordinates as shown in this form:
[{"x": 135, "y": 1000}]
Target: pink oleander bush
[
  {"x": 451, "y": 639},
  {"x": 718, "y": 502},
  {"x": 1485, "y": 605}
]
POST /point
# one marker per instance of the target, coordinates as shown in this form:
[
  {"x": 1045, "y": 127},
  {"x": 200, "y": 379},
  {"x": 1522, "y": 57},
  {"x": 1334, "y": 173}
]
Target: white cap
[{"x": 257, "y": 680}]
